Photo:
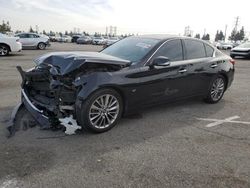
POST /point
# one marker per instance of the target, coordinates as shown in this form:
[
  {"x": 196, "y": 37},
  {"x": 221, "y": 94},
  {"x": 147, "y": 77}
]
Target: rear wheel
[
  {"x": 4, "y": 50},
  {"x": 41, "y": 46},
  {"x": 101, "y": 111},
  {"x": 216, "y": 90}
]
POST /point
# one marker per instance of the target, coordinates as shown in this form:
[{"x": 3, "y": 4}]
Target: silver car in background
[
  {"x": 98, "y": 40},
  {"x": 111, "y": 41},
  {"x": 33, "y": 40}
]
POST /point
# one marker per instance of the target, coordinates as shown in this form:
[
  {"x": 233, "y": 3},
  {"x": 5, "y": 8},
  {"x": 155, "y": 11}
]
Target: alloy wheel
[
  {"x": 217, "y": 89},
  {"x": 41, "y": 46},
  {"x": 104, "y": 111},
  {"x": 3, "y": 50}
]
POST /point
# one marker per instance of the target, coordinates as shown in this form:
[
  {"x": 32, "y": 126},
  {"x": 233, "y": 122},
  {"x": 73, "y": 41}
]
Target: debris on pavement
[{"x": 70, "y": 124}]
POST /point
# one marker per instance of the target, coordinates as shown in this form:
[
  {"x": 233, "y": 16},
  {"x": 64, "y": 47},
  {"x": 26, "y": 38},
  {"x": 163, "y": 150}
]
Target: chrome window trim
[
  {"x": 183, "y": 49},
  {"x": 157, "y": 50}
]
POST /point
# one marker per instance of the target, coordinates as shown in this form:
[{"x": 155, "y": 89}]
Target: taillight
[{"x": 232, "y": 61}]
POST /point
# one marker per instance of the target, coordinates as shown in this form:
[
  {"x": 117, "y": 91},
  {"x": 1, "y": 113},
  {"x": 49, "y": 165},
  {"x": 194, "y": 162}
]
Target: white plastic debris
[{"x": 70, "y": 124}]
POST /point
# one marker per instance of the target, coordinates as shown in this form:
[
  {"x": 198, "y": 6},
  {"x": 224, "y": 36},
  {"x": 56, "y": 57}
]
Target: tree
[
  {"x": 5, "y": 27},
  {"x": 237, "y": 35},
  {"x": 241, "y": 34},
  {"x": 18, "y": 31},
  {"x": 66, "y": 33},
  {"x": 206, "y": 37},
  {"x": 44, "y": 32},
  {"x": 197, "y": 36},
  {"x": 31, "y": 30},
  {"x": 219, "y": 36}
]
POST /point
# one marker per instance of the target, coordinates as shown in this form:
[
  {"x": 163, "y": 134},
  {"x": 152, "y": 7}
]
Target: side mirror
[{"x": 160, "y": 61}]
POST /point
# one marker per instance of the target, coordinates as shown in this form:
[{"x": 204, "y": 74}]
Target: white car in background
[
  {"x": 9, "y": 44},
  {"x": 224, "y": 46},
  {"x": 98, "y": 40},
  {"x": 64, "y": 38},
  {"x": 111, "y": 41},
  {"x": 33, "y": 40}
]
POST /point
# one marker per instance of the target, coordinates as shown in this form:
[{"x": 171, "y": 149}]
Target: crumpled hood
[{"x": 66, "y": 62}]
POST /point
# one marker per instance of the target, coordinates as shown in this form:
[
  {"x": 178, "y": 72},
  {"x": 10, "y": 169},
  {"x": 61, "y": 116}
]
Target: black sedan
[{"x": 98, "y": 88}]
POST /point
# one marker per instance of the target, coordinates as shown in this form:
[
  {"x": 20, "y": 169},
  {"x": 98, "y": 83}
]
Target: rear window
[
  {"x": 194, "y": 49},
  {"x": 209, "y": 50}
]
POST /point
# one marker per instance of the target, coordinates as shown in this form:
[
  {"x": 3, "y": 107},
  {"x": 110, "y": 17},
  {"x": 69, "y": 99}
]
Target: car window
[
  {"x": 32, "y": 36},
  {"x": 23, "y": 35},
  {"x": 194, "y": 49},
  {"x": 172, "y": 49},
  {"x": 209, "y": 50}
]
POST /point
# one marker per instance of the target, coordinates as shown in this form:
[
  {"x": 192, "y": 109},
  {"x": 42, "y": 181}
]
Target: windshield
[
  {"x": 131, "y": 48},
  {"x": 245, "y": 45}
]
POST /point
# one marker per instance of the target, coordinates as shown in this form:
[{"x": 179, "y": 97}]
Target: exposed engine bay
[{"x": 50, "y": 90}]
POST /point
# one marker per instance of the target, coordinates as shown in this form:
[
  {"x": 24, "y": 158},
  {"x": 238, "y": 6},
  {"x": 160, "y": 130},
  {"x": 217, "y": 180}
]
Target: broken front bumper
[{"x": 35, "y": 112}]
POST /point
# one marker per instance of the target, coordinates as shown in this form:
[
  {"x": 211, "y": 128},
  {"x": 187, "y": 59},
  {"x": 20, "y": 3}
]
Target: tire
[
  {"x": 97, "y": 118},
  {"x": 41, "y": 46},
  {"x": 216, "y": 90},
  {"x": 4, "y": 50}
]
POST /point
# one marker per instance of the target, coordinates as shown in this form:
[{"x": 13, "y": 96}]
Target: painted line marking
[{"x": 216, "y": 122}]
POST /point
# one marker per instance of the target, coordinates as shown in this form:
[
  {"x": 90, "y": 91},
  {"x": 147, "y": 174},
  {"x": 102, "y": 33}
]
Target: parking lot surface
[{"x": 184, "y": 144}]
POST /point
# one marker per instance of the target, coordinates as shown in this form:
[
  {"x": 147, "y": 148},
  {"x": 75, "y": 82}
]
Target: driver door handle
[{"x": 182, "y": 70}]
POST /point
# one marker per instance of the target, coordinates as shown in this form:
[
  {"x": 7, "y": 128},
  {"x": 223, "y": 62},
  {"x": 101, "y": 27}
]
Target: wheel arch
[
  {"x": 1, "y": 43},
  {"x": 225, "y": 77},
  {"x": 40, "y": 43},
  {"x": 83, "y": 95}
]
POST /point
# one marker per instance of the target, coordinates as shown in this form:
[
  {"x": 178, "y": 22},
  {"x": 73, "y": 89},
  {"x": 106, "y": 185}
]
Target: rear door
[
  {"x": 203, "y": 67},
  {"x": 33, "y": 39},
  {"x": 24, "y": 39}
]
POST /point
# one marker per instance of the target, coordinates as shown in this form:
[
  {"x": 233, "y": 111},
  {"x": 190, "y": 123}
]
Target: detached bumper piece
[{"x": 35, "y": 112}]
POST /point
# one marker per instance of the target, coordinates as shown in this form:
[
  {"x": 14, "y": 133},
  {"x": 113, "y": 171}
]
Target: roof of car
[
  {"x": 27, "y": 33},
  {"x": 161, "y": 36}
]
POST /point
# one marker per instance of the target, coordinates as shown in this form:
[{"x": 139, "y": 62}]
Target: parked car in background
[
  {"x": 110, "y": 41},
  {"x": 33, "y": 40},
  {"x": 98, "y": 88},
  {"x": 75, "y": 37},
  {"x": 9, "y": 44},
  {"x": 64, "y": 38},
  {"x": 224, "y": 46},
  {"x": 84, "y": 40},
  {"x": 98, "y": 40},
  {"x": 52, "y": 38},
  {"x": 242, "y": 50}
]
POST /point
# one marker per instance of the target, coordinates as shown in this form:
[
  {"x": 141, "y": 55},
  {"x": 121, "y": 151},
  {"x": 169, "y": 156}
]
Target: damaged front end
[{"x": 50, "y": 90}]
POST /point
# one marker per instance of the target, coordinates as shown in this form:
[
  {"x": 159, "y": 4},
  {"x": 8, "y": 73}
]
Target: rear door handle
[
  {"x": 214, "y": 65},
  {"x": 182, "y": 70}
]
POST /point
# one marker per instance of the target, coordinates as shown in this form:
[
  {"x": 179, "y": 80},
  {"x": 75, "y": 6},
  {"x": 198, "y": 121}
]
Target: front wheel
[
  {"x": 216, "y": 90},
  {"x": 4, "y": 50},
  {"x": 41, "y": 46},
  {"x": 101, "y": 111}
]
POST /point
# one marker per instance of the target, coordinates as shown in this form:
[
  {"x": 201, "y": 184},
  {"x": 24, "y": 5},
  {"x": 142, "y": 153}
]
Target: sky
[{"x": 130, "y": 16}]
